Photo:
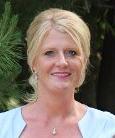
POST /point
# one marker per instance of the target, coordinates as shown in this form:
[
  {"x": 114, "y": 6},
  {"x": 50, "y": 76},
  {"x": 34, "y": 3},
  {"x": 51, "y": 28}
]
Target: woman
[{"x": 58, "y": 54}]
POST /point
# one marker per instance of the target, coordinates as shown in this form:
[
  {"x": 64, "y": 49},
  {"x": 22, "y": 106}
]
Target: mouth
[{"x": 61, "y": 74}]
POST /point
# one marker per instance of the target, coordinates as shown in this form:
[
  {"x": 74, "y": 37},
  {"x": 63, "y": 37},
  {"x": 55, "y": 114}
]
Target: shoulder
[
  {"x": 101, "y": 114},
  {"x": 9, "y": 121},
  {"x": 8, "y": 115},
  {"x": 101, "y": 124},
  {"x": 105, "y": 120}
]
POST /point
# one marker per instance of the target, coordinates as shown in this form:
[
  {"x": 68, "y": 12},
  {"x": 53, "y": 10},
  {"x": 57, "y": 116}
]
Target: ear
[{"x": 34, "y": 65}]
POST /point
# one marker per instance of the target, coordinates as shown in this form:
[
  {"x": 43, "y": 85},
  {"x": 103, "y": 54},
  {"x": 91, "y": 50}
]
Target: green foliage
[
  {"x": 10, "y": 54},
  {"x": 10, "y": 51}
]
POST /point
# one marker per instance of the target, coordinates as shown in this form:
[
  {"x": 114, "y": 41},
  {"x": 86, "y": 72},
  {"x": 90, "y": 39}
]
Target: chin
[{"x": 62, "y": 86}]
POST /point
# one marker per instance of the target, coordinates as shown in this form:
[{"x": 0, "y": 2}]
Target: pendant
[{"x": 54, "y": 131}]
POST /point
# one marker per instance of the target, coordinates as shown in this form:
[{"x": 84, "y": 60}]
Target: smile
[{"x": 61, "y": 74}]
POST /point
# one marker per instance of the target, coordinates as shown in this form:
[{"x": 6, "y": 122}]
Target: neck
[{"x": 56, "y": 104}]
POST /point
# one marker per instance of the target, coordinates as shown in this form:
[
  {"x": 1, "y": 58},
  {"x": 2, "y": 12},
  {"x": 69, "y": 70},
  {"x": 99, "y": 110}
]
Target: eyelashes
[
  {"x": 67, "y": 53},
  {"x": 49, "y": 53},
  {"x": 71, "y": 53}
]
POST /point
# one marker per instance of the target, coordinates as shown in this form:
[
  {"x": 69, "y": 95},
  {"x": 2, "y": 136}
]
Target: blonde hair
[{"x": 62, "y": 20}]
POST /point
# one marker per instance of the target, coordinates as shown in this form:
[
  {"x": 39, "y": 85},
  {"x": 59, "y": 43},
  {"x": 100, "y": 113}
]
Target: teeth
[{"x": 61, "y": 74}]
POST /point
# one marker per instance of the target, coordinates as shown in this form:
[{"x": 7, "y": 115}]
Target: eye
[
  {"x": 49, "y": 53},
  {"x": 71, "y": 53}
]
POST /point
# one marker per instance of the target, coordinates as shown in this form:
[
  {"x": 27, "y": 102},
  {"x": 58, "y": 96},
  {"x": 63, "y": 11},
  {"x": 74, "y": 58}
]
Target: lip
[{"x": 61, "y": 74}]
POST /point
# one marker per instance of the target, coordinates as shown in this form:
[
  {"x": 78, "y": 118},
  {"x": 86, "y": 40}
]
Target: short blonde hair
[{"x": 62, "y": 20}]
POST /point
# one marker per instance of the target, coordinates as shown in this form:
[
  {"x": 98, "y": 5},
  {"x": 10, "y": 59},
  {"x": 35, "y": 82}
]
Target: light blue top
[{"x": 94, "y": 124}]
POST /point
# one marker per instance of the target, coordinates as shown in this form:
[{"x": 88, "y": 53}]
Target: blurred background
[{"x": 98, "y": 90}]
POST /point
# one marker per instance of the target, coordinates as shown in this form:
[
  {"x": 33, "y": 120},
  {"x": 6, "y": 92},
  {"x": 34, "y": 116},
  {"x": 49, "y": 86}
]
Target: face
[{"x": 59, "y": 63}]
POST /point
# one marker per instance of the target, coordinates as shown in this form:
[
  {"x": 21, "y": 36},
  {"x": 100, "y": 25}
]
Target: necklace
[{"x": 54, "y": 131}]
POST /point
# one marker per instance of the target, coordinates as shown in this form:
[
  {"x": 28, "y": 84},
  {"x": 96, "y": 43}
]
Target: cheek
[
  {"x": 43, "y": 67},
  {"x": 78, "y": 69},
  {"x": 78, "y": 65}
]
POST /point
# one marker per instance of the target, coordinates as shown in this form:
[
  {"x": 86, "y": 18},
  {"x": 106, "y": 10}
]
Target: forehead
[{"x": 55, "y": 38}]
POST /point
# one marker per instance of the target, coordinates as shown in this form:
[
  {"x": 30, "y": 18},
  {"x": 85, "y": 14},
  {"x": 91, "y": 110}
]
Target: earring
[
  {"x": 35, "y": 75},
  {"x": 76, "y": 90}
]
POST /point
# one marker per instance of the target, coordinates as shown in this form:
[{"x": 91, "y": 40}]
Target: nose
[{"x": 61, "y": 60}]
